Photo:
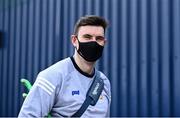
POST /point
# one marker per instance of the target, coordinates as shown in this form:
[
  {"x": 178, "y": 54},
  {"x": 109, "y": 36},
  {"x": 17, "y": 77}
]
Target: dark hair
[{"x": 91, "y": 20}]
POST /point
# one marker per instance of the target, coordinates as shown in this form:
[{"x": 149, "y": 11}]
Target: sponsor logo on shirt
[{"x": 75, "y": 92}]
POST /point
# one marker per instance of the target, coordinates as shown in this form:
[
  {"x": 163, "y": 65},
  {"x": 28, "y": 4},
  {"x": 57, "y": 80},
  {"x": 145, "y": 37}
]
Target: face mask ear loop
[{"x": 78, "y": 42}]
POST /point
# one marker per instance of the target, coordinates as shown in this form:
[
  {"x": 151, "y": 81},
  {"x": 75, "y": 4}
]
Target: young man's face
[
  {"x": 91, "y": 33},
  {"x": 89, "y": 42}
]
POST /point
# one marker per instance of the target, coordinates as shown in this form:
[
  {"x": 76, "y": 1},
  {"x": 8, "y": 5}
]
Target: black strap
[
  {"x": 92, "y": 95},
  {"x": 83, "y": 108}
]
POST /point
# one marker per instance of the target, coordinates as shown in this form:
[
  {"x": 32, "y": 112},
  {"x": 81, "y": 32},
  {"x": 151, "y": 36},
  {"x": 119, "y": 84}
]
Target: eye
[
  {"x": 99, "y": 38},
  {"x": 87, "y": 37}
]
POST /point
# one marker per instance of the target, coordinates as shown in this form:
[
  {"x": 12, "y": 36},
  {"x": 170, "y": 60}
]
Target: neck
[{"x": 84, "y": 65}]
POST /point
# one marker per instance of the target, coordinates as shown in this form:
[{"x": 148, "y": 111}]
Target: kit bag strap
[{"x": 92, "y": 95}]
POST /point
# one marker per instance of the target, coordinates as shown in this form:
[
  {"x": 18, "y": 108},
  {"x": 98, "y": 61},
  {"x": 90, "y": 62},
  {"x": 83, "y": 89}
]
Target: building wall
[{"x": 141, "y": 58}]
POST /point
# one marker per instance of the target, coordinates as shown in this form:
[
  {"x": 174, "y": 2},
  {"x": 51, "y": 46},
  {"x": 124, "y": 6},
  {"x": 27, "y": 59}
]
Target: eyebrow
[{"x": 88, "y": 35}]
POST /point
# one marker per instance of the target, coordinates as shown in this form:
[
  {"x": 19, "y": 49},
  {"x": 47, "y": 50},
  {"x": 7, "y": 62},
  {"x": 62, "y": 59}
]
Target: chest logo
[{"x": 75, "y": 92}]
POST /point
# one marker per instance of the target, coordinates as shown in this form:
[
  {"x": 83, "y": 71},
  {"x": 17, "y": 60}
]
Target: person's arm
[
  {"x": 109, "y": 105},
  {"x": 109, "y": 97},
  {"x": 39, "y": 100}
]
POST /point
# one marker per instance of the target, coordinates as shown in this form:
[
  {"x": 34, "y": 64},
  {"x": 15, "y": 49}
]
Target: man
[{"x": 61, "y": 89}]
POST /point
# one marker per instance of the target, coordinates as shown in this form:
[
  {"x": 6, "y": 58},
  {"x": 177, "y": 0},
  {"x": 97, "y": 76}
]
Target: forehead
[{"x": 92, "y": 30}]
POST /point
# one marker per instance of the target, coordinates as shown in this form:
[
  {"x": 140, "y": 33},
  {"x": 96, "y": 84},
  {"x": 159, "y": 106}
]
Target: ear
[
  {"x": 105, "y": 41},
  {"x": 74, "y": 40}
]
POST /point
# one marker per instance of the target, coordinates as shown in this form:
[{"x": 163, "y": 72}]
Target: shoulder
[
  {"x": 105, "y": 79},
  {"x": 54, "y": 74},
  {"x": 107, "y": 84}
]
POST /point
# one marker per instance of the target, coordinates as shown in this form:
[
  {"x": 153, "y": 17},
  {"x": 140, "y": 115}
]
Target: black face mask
[{"x": 90, "y": 51}]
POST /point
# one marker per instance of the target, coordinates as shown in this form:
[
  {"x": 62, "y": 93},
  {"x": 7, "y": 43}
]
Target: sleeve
[
  {"x": 40, "y": 99},
  {"x": 109, "y": 96}
]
